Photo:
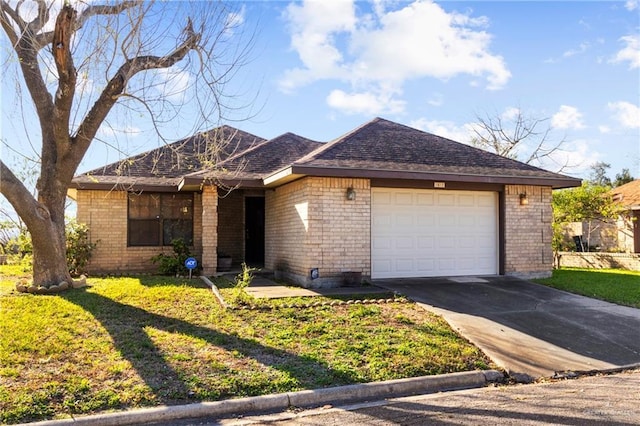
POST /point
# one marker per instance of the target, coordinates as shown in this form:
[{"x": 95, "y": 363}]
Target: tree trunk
[
  {"x": 50, "y": 252},
  {"x": 44, "y": 219}
]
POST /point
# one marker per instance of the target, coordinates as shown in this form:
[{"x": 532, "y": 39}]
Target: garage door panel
[
  {"x": 382, "y": 198},
  {"x": 425, "y": 265},
  {"x": 426, "y": 220},
  {"x": 467, "y": 221},
  {"x": 486, "y": 200},
  {"x": 433, "y": 233},
  {"x": 425, "y": 199},
  {"x": 466, "y": 201},
  {"x": 404, "y": 243},
  {"x": 446, "y": 200},
  {"x": 404, "y": 199},
  {"x": 426, "y": 244},
  {"x": 404, "y": 265},
  {"x": 403, "y": 220},
  {"x": 382, "y": 243}
]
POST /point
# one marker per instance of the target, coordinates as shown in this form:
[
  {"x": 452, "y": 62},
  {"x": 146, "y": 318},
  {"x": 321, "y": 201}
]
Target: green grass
[
  {"x": 142, "y": 341},
  {"x": 613, "y": 285}
]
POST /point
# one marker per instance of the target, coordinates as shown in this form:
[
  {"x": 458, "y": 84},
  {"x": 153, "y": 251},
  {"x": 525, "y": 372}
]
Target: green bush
[
  {"x": 173, "y": 264},
  {"x": 79, "y": 248}
]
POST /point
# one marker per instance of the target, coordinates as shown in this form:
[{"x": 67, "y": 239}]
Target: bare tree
[
  {"x": 165, "y": 61},
  {"x": 520, "y": 137}
]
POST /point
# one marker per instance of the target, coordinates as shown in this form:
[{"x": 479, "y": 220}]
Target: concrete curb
[{"x": 282, "y": 401}]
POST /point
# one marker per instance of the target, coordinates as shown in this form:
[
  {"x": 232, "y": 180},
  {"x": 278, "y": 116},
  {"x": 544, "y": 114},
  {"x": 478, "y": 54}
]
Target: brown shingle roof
[
  {"x": 261, "y": 160},
  {"x": 378, "y": 149},
  {"x": 385, "y": 146},
  {"x": 166, "y": 165},
  {"x": 628, "y": 194}
]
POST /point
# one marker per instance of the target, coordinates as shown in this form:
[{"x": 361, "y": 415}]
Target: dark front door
[
  {"x": 254, "y": 230},
  {"x": 636, "y": 231}
]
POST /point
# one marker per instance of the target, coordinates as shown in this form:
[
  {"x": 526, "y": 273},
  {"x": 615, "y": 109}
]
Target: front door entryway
[{"x": 254, "y": 230}]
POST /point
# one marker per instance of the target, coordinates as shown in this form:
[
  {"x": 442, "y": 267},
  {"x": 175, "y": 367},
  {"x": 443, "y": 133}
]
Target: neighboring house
[
  {"x": 621, "y": 235},
  {"x": 628, "y": 225},
  {"x": 384, "y": 200}
]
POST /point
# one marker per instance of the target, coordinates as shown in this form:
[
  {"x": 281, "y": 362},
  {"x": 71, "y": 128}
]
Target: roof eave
[
  {"x": 120, "y": 186},
  {"x": 297, "y": 171}
]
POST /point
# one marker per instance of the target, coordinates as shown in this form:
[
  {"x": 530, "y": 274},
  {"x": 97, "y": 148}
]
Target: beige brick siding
[
  {"x": 105, "y": 213},
  {"x": 527, "y": 232},
  {"x": 311, "y": 224}
]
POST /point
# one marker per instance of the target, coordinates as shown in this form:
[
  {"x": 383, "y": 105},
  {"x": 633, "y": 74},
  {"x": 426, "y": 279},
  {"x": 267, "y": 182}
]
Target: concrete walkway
[
  {"x": 530, "y": 329},
  {"x": 262, "y": 287}
]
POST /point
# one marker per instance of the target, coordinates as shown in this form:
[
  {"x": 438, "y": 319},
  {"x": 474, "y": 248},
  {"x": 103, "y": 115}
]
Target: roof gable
[{"x": 167, "y": 164}]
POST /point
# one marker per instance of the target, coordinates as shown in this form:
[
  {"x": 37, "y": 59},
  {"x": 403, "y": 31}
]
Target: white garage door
[{"x": 429, "y": 233}]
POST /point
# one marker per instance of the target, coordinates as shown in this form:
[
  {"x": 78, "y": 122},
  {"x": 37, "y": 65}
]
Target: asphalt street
[{"x": 606, "y": 399}]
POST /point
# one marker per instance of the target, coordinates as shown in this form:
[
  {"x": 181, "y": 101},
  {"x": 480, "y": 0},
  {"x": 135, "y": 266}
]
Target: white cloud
[
  {"x": 631, "y": 52},
  {"x": 314, "y": 26},
  {"x": 572, "y": 52},
  {"x": 368, "y": 103},
  {"x": 627, "y": 114},
  {"x": 631, "y": 5},
  {"x": 604, "y": 129},
  {"x": 567, "y": 117},
  {"x": 511, "y": 113},
  {"x": 575, "y": 157},
  {"x": 378, "y": 52},
  {"x": 174, "y": 84},
  {"x": 446, "y": 129},
  {"x": 106, "y": 131},
  {"x": 234, "y": 21}
]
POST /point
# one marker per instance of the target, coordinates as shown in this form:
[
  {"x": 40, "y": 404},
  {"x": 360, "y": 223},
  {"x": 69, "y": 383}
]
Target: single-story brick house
[{"x": 384, "y": 200}]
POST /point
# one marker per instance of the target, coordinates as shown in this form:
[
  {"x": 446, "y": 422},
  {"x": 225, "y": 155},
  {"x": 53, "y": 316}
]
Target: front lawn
[
  {"x": 613, "y": 285},
  {"x": 143, "y": 341}
]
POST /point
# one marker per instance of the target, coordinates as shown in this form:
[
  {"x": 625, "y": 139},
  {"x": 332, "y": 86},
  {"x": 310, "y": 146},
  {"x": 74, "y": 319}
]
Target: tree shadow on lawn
[{"x": 126, "y": 325}]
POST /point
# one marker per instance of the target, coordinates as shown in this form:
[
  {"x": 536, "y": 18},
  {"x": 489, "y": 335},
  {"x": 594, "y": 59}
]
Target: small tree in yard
[
  {"x": 588, "y": 203},
  {"x": 79, "y": 65}
]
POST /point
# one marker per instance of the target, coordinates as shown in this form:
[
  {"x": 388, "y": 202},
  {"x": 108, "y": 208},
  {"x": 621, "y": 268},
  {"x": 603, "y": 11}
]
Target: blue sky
[{"x": 320, "y": 69}]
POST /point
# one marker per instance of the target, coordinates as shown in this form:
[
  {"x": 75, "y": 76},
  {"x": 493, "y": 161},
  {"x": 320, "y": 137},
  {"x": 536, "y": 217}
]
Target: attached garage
[{"x": 425, "y": 232}]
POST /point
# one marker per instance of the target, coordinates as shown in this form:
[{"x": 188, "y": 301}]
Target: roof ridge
[{"x": 333, "y": 142}]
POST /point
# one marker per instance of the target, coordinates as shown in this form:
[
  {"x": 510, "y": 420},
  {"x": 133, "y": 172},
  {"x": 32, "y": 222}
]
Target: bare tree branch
[
  {"x": 517, "y": 135},
  {"x": 116, "y": 86},
  {"x": 40, "y": 20},
  {"x": 8, "y": 15}
]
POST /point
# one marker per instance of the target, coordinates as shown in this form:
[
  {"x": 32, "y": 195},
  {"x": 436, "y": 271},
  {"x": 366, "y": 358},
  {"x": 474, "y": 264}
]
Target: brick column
[
  {"x": 528, "y": 232},
  {"x": 209, "y": 230}
]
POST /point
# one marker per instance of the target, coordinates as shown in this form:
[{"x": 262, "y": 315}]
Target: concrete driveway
[{"x": 529, "y": 329}]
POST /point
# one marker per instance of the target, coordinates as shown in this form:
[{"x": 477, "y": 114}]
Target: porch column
[{"x": 209, "y": 230}]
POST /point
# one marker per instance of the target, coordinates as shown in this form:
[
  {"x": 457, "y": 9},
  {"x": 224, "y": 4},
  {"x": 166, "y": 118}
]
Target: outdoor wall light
[
  {"x": 523, "y": 199},
  {"x": 351, "y": 194}
]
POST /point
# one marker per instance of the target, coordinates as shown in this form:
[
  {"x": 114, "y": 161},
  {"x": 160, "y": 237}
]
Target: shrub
[
  {"x": 79, "y": 248},
  {"x": 239, "y": 296},
  {"x": 173, "y": 264}
]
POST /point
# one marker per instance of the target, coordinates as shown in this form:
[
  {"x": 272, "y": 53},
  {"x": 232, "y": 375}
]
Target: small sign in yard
[{"x": 191, "y": 263}]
